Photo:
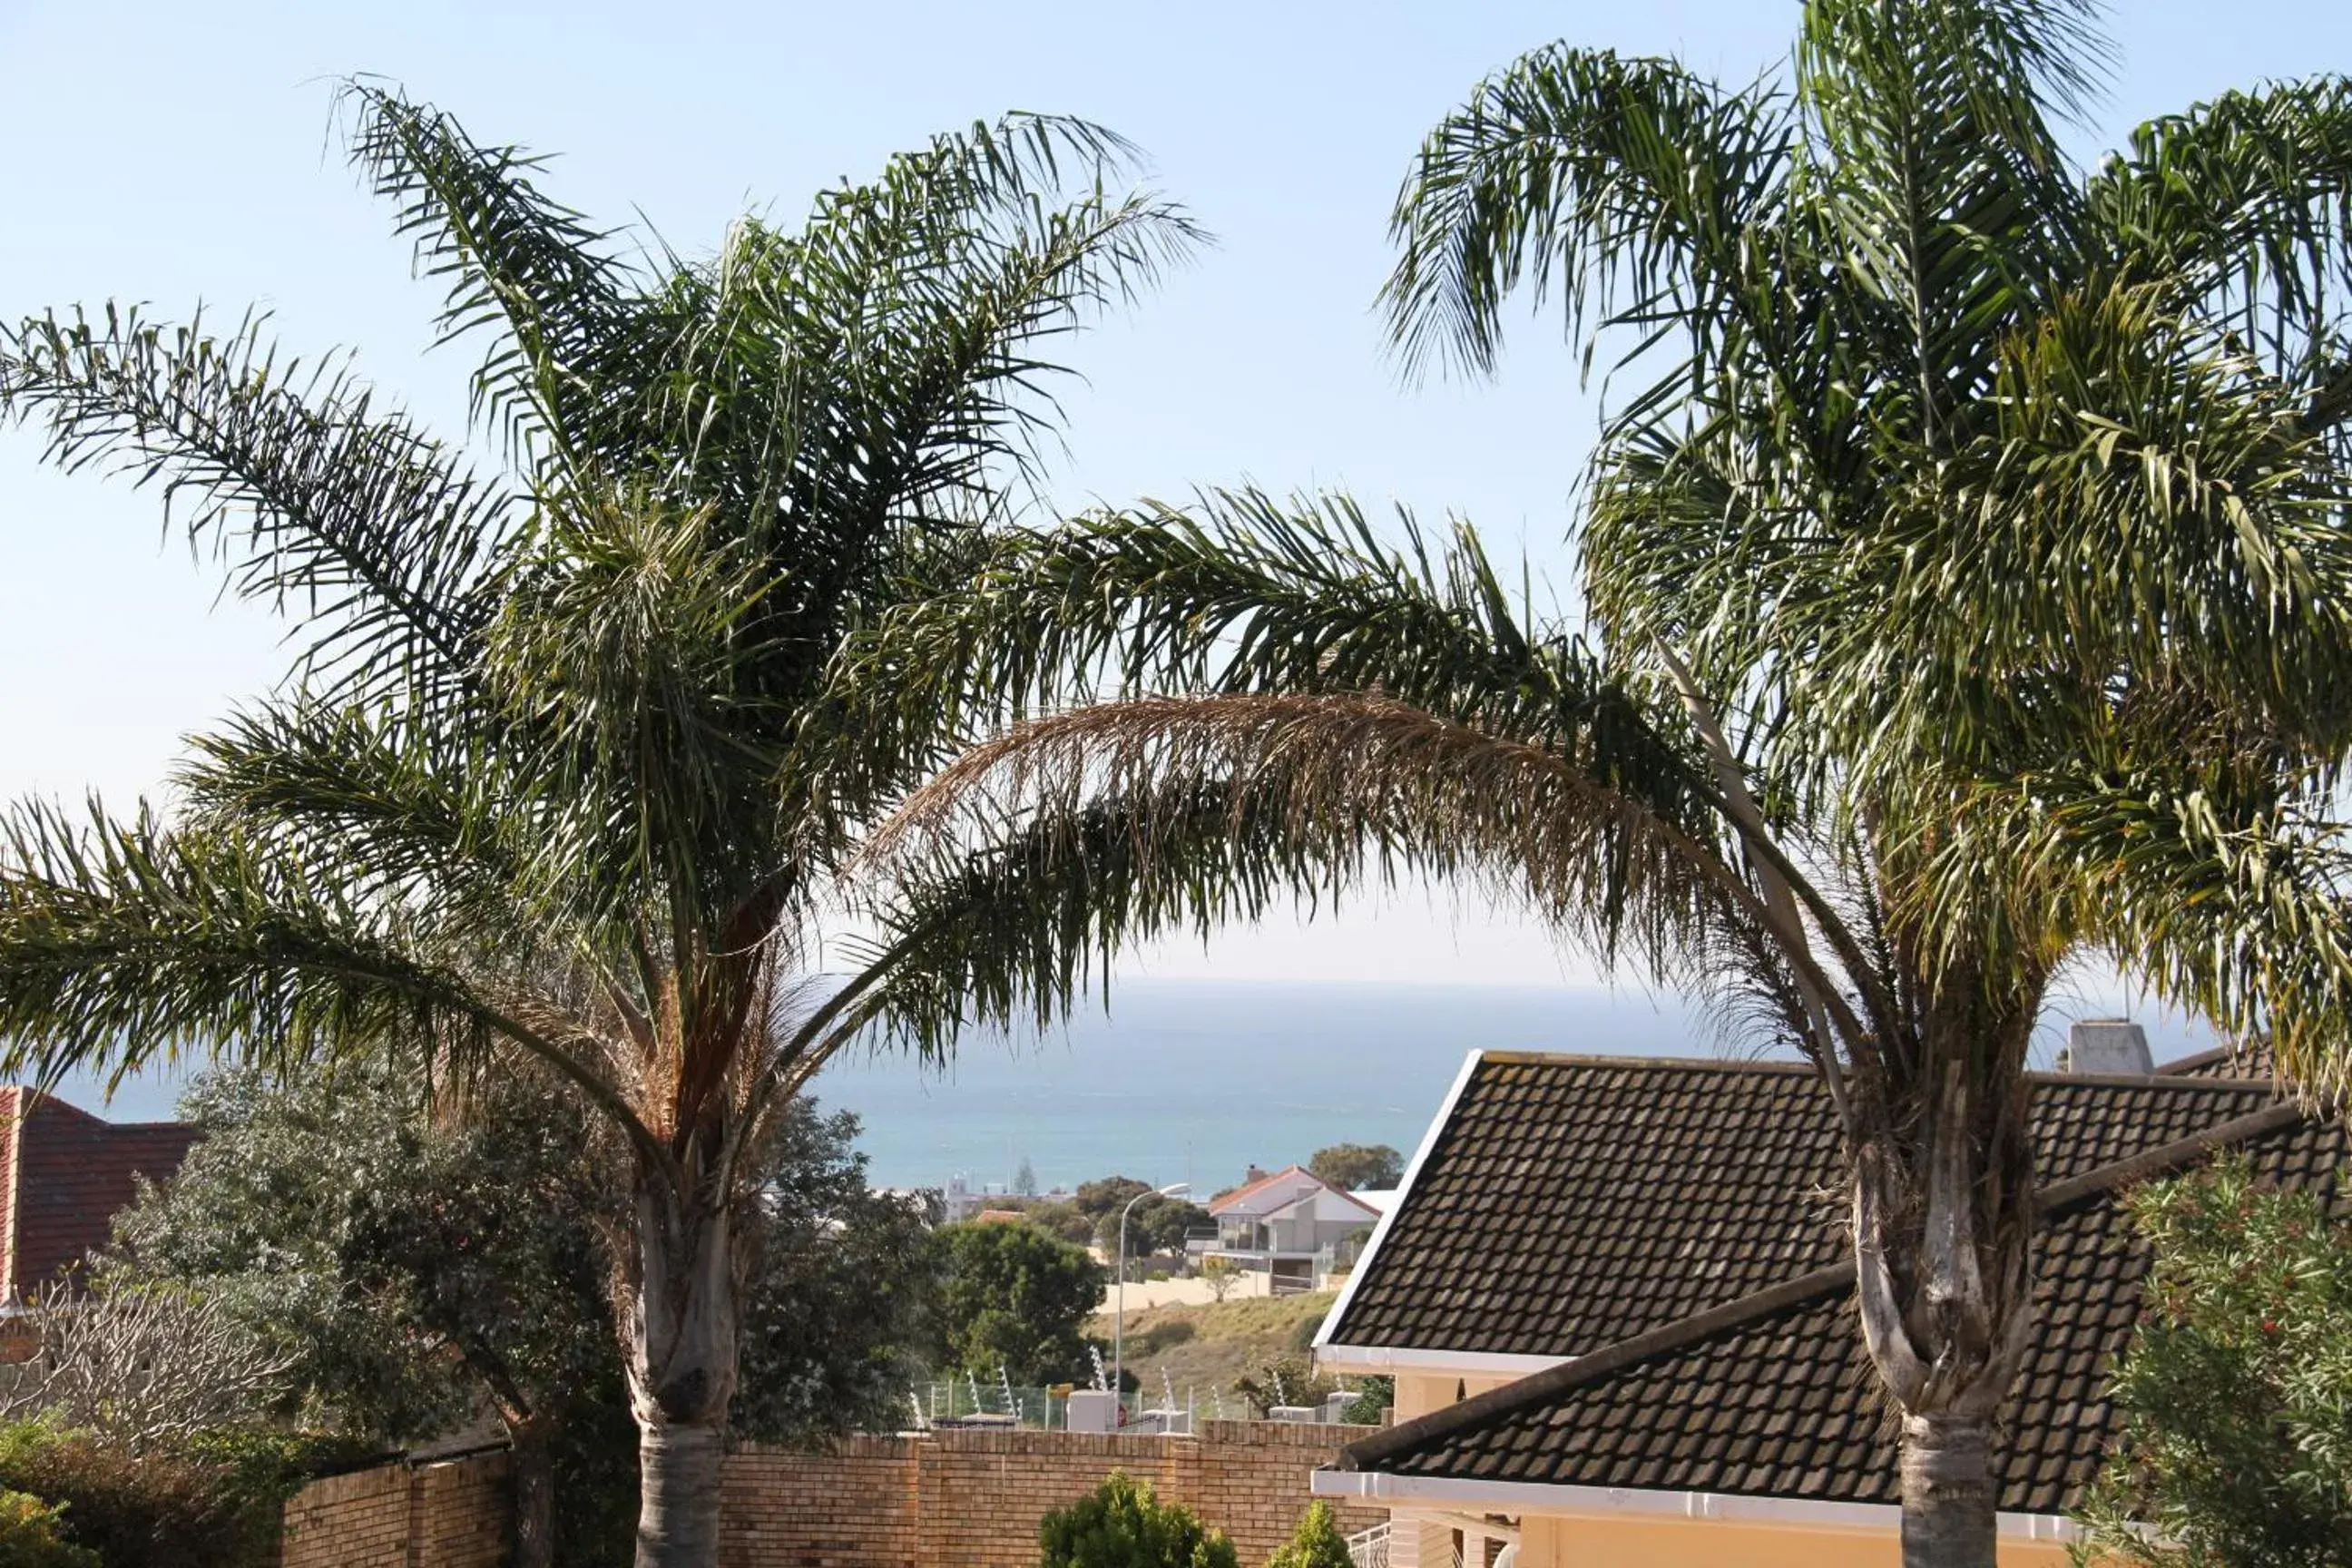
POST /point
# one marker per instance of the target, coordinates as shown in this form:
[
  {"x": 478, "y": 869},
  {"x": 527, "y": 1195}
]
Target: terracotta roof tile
[{"x": 72, "y": 1172}]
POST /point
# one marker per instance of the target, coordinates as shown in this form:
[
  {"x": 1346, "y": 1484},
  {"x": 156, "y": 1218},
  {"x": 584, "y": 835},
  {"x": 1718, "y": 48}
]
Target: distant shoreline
[{"x": 1195, "y": 1079}]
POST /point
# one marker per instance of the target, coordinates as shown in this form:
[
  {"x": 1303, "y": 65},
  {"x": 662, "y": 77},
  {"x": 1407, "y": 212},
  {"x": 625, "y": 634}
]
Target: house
[
  {"x": 64, "y": 1175},
  {"x": 1293, "y": 1226},
  {"x": 1617, "y": 1302}
]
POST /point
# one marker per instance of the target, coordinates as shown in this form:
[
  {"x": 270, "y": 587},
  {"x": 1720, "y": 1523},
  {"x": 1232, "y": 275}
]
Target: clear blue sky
[{"x": 182, "y": 154}]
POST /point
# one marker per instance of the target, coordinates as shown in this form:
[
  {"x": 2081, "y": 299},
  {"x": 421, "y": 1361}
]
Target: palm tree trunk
[
  {"x": 1943, "y": 1225},
  {"x": 680, "y": 1338},
  {"x": 1949, "y": 1517},
  {"x": 678, "y": 1474}
]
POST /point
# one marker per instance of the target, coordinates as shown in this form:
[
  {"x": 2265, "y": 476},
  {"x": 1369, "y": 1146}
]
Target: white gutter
[
  {"x": 1460, "y": 1364},
  {"x": 1445, "y": 1494},
  {"x": 1339, "y": 1312}
]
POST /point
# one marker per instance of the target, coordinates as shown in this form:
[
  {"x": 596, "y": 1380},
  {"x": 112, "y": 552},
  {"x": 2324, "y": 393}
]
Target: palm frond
[
  {"x": 1628, "y": 185},
  {"x": 1947, "y": 202},
  {"x": 516, "y": 262},
  {"x": 1355, "y": 788},
  {"x": 369, "y": 534},
  {"x": 880, "y": 368},
  {"x": 386, "y": 810},
  {"x": 2244, "y": 206},
  {"x": 122, "y": 941},
  {"x": 2240, "y": 910},
  {"x": 126, "y": 942},
  {"x": 1243, "y": 593}
]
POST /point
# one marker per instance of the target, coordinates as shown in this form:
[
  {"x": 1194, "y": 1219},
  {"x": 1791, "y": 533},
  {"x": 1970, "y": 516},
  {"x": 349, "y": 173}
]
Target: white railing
[{"x": 1369, "y": 1549}]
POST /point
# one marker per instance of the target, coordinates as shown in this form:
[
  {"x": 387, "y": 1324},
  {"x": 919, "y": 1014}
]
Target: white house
[{"x": 1291, "y": 1225}]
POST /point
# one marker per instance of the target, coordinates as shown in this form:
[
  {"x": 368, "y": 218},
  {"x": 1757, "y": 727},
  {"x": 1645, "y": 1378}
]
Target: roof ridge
[
  {"x": 2167, "y": 1076},
  {"x": 1246, "y": 1188},
  {"x": 2054, "y": 1198},
  {"x": 1603, "y": 1058},
  {"x": 1612, "y": 1358}
]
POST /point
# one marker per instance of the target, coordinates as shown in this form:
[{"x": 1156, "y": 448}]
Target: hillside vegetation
[{"x": 1225, "y": 1339}]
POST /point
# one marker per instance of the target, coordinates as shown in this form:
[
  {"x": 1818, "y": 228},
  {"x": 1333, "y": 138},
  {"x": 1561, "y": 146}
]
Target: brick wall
[
  {"x": 449, "y": 1515},
  {"x": 974, "y": 1499},
  {"x": 947, "y": 1499}
]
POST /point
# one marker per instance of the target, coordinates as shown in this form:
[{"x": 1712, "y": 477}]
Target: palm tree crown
[
  {"x": 1966, "y": 569},
  {"x": 566, "y": 770}
]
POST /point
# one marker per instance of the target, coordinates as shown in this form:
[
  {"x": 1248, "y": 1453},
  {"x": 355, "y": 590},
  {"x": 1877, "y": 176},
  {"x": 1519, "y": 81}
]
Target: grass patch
[{"x": 1218, "y": 1342}]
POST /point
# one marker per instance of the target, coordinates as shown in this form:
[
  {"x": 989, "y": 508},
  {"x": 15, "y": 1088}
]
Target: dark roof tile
[
  {"x": 1571, "y": 1202},
  {"x": 1778, "y": 1401}
]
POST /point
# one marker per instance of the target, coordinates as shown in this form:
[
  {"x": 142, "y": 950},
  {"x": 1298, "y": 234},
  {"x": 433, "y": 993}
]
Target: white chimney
[{"x": 2113, "y": 1046}]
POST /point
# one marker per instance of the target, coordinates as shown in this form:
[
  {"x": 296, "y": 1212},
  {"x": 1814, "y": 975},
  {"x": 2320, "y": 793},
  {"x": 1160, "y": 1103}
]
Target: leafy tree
[
  {"x": 1222, "y": 1273},
  {"x": 1024, "y": 1179},
  {"x": 1966, "y": 588},
  {"x": 1316, "y": 1543},
  {"x": 1375, "y": 1396},
  {"x": 1156, "y": 1223},
  {"x": 1015, "y": 1298},
  {"x": 1287, "y": 1379},
  {"x": 1107, "y": 1195},
  {"x": 414, "y": 1267},
  {"x": 2237, "y": 1390},
  {"x": 214, "y": 1502},
  {"x": 1374, "y": 1167},
  {"x": 1063, "y": 1220},
  {"x": 841, "y": 1301},
  {"x": 408, "y": 1273},
  {"x": 1121, "y": 1524},
  {"x": 566, "y": 769}
]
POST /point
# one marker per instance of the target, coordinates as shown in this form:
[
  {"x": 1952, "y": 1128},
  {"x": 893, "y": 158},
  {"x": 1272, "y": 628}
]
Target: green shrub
[
  {"x": 1374, "y": 1398},
  {"x": 1120, "y": 1524},
  {"x": 29, "y": 1535},
  {"x": 1284, "y": 1380},
  {"x": 1150, "y": 1342},
  {"x": 2236, "y": 1393},
  {"x": 1316, "y": 1543},
  {"x": 216, "y": 1501}
]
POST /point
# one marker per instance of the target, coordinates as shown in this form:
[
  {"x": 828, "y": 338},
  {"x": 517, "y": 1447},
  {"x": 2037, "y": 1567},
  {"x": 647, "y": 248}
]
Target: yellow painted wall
[
  {"x": 1578, "y": 1541},
  {"x": 1418, "y": 1393}
]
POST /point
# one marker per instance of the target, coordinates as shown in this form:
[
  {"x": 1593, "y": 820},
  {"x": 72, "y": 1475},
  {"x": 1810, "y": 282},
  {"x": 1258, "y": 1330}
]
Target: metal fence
[{"x": 976, "y": 1402}]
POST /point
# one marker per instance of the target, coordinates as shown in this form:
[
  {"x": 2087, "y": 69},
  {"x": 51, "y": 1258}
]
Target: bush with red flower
[{"x": 2237, "y": 1389}]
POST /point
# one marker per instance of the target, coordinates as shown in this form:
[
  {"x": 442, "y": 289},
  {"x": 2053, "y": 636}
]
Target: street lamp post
[{"x": 1118, "y": 1317}]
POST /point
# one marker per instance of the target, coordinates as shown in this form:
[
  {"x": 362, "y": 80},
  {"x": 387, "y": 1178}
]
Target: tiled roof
[
  {"x": 1771, "y": 1396},
  {"x": 1571, "y": 1202},
  {"x": 1259, "y": 1198},
  {"x": 2252, "y": 1061},
  {"x": 69, "y": 1173}
]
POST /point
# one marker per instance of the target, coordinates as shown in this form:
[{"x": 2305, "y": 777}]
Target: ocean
[{"x": 1195, "y": 1080}]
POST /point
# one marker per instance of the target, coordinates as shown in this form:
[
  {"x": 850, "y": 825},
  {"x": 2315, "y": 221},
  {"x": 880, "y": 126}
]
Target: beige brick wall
[
  {"x": 947, "y": 1499},
  {"x": 974, "y": 1499},
  {"x": 451, "y": 1515},
  {"x": 360, "y": 1521}
]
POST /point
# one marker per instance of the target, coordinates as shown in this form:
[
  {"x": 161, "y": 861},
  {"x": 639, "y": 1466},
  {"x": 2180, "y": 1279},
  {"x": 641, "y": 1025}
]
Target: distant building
[
  {"x": 1291, "y": 1225},
  {"x": 64, "y": 1175}
]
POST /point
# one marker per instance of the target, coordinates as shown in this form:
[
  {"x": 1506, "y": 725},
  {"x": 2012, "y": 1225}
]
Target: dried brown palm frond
[{"x": 1355, "y": 785}]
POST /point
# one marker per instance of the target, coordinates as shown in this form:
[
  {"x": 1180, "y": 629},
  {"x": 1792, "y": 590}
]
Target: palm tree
[
  {"x": 1970, "y": 587},
  {"x": 565, "y": 774}
]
